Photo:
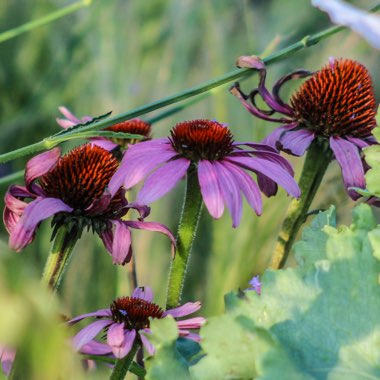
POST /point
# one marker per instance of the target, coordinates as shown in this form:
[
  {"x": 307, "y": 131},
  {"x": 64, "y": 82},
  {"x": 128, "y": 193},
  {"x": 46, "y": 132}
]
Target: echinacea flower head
[
  {"x": 74, "y": 189},
  {"x": 134, "y": 126},
  {"x": 336, "y": 104},
  {"x": 221, "y": 165},
  {"x": 127, "y": 321}
]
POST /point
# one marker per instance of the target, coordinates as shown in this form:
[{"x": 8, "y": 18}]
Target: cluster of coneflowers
[{"x": 86, "y": 187}]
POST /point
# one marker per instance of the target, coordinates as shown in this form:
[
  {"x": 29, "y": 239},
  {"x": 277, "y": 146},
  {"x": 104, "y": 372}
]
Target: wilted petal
[
  {"x": 231, "y": 192},
  {"x": 121, "y": 243},
  {"x": 36, "y": 211},
  {"x": 144, "y": 293},
  {"x": 138, "y": 162},
  {"x": 95, "y": 314},
  {"x": 274, "y": 138},
  {"x": 210, "y": 188},
  {"x": 248, "y": 186},
  {"x": 296, "y": 142},
  {"x": 121, "y": 341},
  {"x": 40, "y": 165},
  {"x": 89, "y": 332},
  {"x": 186, "y": 309},
  {"x": 266, "y": 185},
  {"x": 348, "y": 157},
  {"x": 364, "y": 23},
  {"x": 271, "y": 170},
  {"x": 163, "y": 180}
]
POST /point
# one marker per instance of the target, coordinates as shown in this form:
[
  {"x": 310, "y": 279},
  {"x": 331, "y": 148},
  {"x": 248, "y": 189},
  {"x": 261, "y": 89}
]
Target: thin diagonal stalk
[
  {"x": 316, "y": 162},
  {"x": 27, "y": 27},
  {"x": 187, "y": 229},
  {"x": 52, "y": 141}
]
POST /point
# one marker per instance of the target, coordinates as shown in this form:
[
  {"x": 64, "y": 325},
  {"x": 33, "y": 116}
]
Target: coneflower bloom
[
  {"x": 127, "y": 321},
  {"x": 134, "y": 126},
  {"x": 7, "y": 357},
  {"x": 255, "y": 285},
  {"x": 221, "y": 165},
  {"x": 73, "y": 189},
  {"x": 336, "y": 104}
]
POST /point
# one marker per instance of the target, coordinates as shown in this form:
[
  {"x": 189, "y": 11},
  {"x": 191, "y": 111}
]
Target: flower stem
[
  {"x": 316, "y": 162},
  {"x": 123, "y": 365},
  {"x": 187, "y": 229},
  {"x": 59, "y": 256}
]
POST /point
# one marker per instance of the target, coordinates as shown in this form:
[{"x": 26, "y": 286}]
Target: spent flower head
[
  {"x": 221, "y": 164},
  {"x": 336, "y": 104},
  {"x": 127, "y": 322},
  {"x": 74, "y": 189}
]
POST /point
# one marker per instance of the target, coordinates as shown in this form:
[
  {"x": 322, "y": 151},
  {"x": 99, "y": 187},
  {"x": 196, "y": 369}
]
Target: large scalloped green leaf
[{"x": 372, "y": 157}]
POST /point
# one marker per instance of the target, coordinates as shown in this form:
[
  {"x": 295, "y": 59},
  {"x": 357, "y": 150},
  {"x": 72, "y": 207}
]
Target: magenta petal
[
  {"x": 257, "y": 146},
  {"x": 34, "y": 213},
  {"x": 121, "y": 243},
  {"x": 191, "y": 336},
  {"x": 248, "y": 186},
  {"x": 89, "y": 332},
  {"x": 274, "y": 138},
  {"x": 144, "y": 293},
  {"x": 7, "y": 357},
  {"x": 163, "y": 180},
  {"x": 148, "y": 346},
  {"x": 271, "y": 170},
  {"x": 186, "y": 309},
  {"x": 103, "y": 143},
  {"x": 65, "y": 123},
  {"x": 191, "y": 323},
  {"x": 153, "y": 226},
  {"x": 360, "y": 143},
  {"x": 120, "y": 340},
  {"x": 297, "y": 142},
  {"x": 95, "y": 314},
  {"x": 138, "y": 162},
  {"x": 231, "y": 192},
  {"x": 95, "y": 348},
  {"x": 107, "y": 238},
  {"x": 348, "y": 157},
  {"x": 210, "y": 188},
  {"x": 40, "y": 165}
]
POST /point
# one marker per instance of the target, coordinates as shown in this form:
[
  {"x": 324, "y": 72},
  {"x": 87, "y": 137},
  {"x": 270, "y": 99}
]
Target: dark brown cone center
[
  {"x": 134, "y": 312},
  {"x": 337, "y": 101},
  {"x": 202, "y": 140}
]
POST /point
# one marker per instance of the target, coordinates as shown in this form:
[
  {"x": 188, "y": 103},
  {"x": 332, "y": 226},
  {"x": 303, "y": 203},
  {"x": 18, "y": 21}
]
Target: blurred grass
[{"x": 118, "y": 55}]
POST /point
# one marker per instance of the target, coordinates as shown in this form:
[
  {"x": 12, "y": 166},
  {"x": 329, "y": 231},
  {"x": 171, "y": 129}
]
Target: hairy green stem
[
  {"x": 27, "y": 27},
  {"x": 123, "y": 365},
  {"x": 52, "y": 141},
  {"x": 316, "y": 162},
  {"x": 59, "y": 256},
  {"x": 187, "y": 229}
]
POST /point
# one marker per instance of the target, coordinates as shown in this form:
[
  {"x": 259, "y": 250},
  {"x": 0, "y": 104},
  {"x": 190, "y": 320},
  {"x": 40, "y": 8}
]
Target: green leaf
[
  {"x": 372, "y": 157},
  {"x": 167, "y": 362}
]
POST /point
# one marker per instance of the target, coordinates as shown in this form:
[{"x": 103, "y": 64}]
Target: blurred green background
[{"x": 117, "y": 55}]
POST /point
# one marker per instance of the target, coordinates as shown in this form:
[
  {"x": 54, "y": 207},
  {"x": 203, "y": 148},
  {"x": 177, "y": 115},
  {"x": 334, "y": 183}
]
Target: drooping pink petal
[
  {"x": 99, "y": 205},
  {"x": 36, "y": 211},
  {"x": 40, "y": 165},
  {"x": 95, "y": 314},
  {"x": 186, "y": 309},
  {"x": 231, "y": 192},
  {"x": 248, "y": 186},
  {"x": 71, "y": 119},
  {"x": 266, "y": 185},
  {"x": 191, "y": 323},
  {"x": 348, "y": 157},
  {"x": 95, "y": 348},
  {"x": 103, "y": 143},
  {"x": 189, "y": 335},
  {"x": 121, "y": 243},
  {"x": 162, "y": 180},
  {"x": 89, "y": 332},
  {"x": 274, "y": 138},
  {"x": 121, "y": 341},
  {"x": 276, "y": 158},
  {"x": 138, "y": 162},
  {"x": 153, "y": 226},
  {"x": 7, "y": 357},
  {"x": 144, "y": 293},
  {"x": 210, "y": 189},
  {"x": 271, "y": 170},
  {"x": 256, "y": 146},
  {"x": 146, "y": 343},
  {"x": 296, "y": 142},
  {"x": 107, "y": 238},
  {"x": 360, "y": 143}
]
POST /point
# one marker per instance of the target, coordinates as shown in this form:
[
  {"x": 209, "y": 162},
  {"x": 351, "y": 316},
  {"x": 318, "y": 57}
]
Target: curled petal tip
[{"x": 250, "y": 62}]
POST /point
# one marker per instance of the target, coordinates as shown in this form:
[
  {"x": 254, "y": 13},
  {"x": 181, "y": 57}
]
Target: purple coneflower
[
  {"x": 134, "y": 126},
  {"x": 220, "y": 162},
  {"x": 127, "y": 321},
  {"x": 73, "y": 189},
  {"x": 336, "y": 104},
  {"x": 7, "y": 357},
  {"x": 255, "y": 285}
]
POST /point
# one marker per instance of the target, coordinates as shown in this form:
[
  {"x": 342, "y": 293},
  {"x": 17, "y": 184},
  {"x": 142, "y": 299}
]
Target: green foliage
[{"x": 317, "y": 321}]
